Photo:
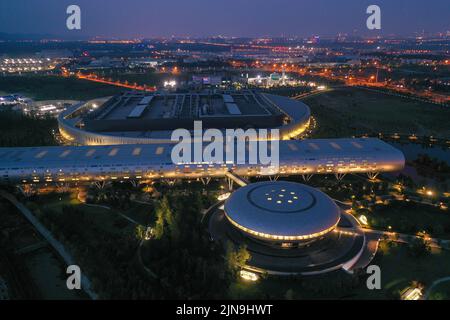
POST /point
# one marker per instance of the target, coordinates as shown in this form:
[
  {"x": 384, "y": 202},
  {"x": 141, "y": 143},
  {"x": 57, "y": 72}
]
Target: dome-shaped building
[
  {"x": 282, "y": 212},
  {"x": 289, "y": 228}
]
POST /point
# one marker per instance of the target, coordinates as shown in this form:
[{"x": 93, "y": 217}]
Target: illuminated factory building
[
  {"x": 143, "y": 118},
  {"x": 289, "y": 228},
  {"x": 121, "y": 162}
]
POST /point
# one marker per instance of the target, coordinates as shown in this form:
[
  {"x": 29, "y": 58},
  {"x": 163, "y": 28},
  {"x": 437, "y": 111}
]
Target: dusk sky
[{"x": 153, "y": 18}]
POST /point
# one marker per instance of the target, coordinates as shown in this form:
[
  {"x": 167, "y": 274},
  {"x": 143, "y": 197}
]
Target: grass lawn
[
  {"x": 276, "y": 288},
  {"x": 407, "y": 217},
  {"x": 108, "y": 219},
  {"x": 103, "y": 218},
  {"x": 441, "y": 291},
  {"x": 335, "y": 285},
  {"x": 352, "y": 111},
  {"x": 42, "y": 87},
  {"x": 399, "y": 269}
]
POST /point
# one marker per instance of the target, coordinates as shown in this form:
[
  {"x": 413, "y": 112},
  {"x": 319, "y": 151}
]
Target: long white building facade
[{"x": 154, "y": 161}]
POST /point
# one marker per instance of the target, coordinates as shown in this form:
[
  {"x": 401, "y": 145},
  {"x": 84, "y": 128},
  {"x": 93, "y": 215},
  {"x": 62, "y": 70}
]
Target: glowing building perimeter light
[
  {"x": 412, "y": 294},
  {"x": 363, "y": 220},
  {"x": 224, "y": 196},
  {"x": 171, "y": 83},
  {"x": 247, "y": 275},
  {"x": 281, "y": 237}
]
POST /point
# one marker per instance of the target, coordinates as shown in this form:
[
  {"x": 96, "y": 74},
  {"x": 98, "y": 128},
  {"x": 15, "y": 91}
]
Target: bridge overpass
[{"x": 231, "y": 177}]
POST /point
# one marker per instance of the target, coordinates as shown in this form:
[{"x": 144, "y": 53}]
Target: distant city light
[
  {"x": 47, "y": 108},
  {"x": 171, "y": 83}
]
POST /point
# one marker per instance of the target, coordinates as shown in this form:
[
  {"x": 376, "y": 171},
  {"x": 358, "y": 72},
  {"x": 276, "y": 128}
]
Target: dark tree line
[
  {"x": 19, "y": 130},
  {"x": 431, "y": 167},
  {"x": 187, "y": 263}
]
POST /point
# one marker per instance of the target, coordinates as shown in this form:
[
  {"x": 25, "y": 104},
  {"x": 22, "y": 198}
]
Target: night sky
[{"x": 197, "y": 18}]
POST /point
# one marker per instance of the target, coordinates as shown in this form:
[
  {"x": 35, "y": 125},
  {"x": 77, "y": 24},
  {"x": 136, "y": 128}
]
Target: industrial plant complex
[
  {"x": 290, "y": 228},
  {"x": 140, "y": 118},
  {"x": 227, "y": 157}
]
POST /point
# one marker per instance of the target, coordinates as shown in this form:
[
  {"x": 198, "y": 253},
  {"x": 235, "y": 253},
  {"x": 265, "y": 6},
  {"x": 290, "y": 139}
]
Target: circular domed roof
[{"x": 282, "y": 211}]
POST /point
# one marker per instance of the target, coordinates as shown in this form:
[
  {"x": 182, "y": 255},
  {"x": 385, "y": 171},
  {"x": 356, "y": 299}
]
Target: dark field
[{"x": 348, "y": 112}]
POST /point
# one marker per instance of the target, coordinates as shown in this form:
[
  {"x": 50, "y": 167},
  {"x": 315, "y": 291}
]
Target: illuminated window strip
[
  {"x": 137, "y": 151},
  {"x": 335, "y": 146},
  {"x": 278, "y": 237},
  {"x": 65, "y": 153},
  {"x": 113, "y": 152},
  {"x": 159, "y": 150},
  {"x": 41, "y": 154},
  {"x": 293, "y": 147},
  {"x": 313, "y": 146}
]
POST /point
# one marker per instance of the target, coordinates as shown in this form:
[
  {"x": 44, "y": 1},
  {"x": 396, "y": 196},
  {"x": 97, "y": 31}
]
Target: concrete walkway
[{"x": 46, "y": 234}]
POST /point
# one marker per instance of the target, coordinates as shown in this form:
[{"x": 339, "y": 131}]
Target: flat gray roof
[
  {"x": 182, "y": 105},
  {"x": 233, "y": 108},
  {"x": 295, "y": 109},
  {"x": 137, "y": 111}
]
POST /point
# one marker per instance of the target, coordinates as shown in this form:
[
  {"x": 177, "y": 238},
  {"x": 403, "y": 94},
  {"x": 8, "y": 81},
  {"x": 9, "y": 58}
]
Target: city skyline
[{"x": 231, "y": 18}]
